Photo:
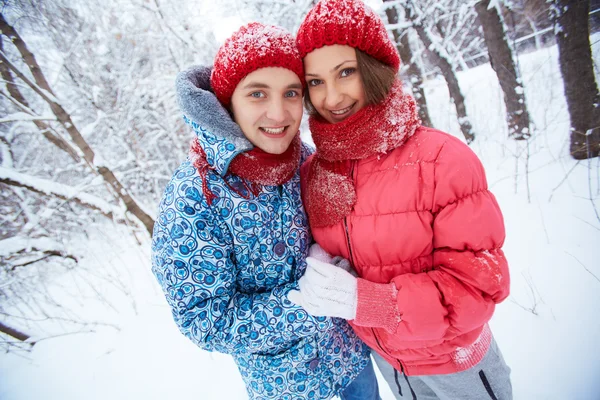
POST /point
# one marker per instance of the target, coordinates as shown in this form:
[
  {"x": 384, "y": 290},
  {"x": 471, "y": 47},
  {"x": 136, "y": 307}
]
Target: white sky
[{"x": 226, "y": 26}]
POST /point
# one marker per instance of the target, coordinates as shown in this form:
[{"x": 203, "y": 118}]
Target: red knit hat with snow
[
  {"x": 346, "y": 22},
  {"x": 252, "y": 47}
]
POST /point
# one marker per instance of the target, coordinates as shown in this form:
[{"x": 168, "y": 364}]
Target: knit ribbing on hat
[
  {"x": 347, "y": 22},
  {"x": 252, "y": 47}
]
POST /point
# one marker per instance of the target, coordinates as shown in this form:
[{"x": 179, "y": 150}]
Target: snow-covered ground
[{"x": 547, "y": 329}]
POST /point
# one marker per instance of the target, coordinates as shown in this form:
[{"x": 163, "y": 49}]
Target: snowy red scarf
[
  {"x": 256, "y": 166},
  {"x": 376, "y": 129}
]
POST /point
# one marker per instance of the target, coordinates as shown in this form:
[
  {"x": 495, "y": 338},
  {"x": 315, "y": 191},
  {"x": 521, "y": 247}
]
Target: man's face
[{"x": 267, "y": 105}]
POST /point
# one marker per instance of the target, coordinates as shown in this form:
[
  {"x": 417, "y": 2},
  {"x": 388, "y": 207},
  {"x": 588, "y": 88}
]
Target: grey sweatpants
[{"x": 490, "y": 379}]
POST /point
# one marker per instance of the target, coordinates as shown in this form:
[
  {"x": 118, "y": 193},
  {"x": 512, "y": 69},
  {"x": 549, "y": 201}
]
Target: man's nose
[{"x": 276, "y": 111}]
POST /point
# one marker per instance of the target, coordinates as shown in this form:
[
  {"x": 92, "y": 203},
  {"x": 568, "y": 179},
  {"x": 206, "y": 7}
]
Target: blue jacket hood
[{"x": 221, "y": 138}]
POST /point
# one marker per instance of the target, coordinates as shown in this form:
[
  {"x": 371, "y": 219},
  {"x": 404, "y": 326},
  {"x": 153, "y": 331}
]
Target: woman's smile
[{"x": 342, "y": 113}]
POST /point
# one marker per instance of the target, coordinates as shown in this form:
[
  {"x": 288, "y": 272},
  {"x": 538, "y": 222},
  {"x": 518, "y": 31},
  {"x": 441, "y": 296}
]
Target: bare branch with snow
[{"x": 64, "y": 192}]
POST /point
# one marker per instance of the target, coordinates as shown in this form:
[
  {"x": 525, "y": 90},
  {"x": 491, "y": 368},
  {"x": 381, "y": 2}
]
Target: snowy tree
[
  {"x": 413, "y": 72},
  {"x": 577, "y": 68},
  {"x": 503, "y": 64},
  {"x": 41, "y": 87},
  {"x": 89, "y": 135},
  {"x": 527, "y": 18},
  {"x": 287, "y": 14},
  {"x": 419, "y": 13}
]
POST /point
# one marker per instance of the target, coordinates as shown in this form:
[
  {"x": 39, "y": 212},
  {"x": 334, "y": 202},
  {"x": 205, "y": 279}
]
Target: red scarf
[
  {"x": 375, "y": 129},
  {"x": 256, "y": 166}
]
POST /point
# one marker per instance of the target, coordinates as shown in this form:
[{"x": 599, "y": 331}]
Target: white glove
[
  {"x": 326, "y": 290},
  {"x": 317, "y": 252}
]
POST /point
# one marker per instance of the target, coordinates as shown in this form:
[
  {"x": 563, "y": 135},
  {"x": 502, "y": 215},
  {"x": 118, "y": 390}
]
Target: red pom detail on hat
[
  {"x": 252, "y": 47},
  {"x": 347, "y": 22}
]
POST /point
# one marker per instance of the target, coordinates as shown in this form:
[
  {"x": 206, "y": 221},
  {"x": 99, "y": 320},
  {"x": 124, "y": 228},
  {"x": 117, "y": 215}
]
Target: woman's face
[{"x": 334, "y": 83}]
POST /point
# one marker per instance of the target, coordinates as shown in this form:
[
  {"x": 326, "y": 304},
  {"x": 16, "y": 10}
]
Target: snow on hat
[
  {"x": 346, "y": 22},
  {"x": 252, "y": 47}
]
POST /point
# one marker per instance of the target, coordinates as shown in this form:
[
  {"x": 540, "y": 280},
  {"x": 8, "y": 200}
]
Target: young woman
[
  {"x": 409, "y": 207},
  {"x": 231, "y": 236}
]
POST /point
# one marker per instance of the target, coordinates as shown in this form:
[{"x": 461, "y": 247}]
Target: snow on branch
[
  {"x": 400, "y": 26},
  {"x": 21, "y": 116},
  {"x": 10, "y": 331},
  {"x": 51, "y": 188},
  {"x": 5, "y": 153},
  {"x": 394, "y": 3},
  {"x": 20, "y": 244}
]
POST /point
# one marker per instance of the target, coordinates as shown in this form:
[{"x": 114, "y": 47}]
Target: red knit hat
[
  {"x": 252, "y": 47},
  {"x": 346, "y": 22}
]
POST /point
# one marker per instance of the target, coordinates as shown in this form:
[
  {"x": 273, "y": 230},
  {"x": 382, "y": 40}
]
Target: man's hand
[{"x": 326, "y": 290}]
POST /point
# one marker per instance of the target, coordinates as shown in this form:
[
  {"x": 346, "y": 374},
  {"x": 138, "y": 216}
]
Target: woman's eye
[
  {"x": 291, "y": 93},
  {"x": 347, "y": 72},
  {"x": 257, "y": 95},
  {"x": 314, "y": 82}
]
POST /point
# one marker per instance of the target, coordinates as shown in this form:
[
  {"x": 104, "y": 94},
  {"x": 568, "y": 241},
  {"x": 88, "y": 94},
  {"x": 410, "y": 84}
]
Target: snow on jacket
[
  {"x": 226, "y": 268},
  {"x": 425, "y": 237}
]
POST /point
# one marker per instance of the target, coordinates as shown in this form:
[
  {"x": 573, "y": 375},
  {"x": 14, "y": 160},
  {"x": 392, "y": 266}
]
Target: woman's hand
[{"x": 326, "y": 290}]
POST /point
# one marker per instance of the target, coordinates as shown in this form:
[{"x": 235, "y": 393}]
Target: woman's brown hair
[{"x": 376, "y": 76}]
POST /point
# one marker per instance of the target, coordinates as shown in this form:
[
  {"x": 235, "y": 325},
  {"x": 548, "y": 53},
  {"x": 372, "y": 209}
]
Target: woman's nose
[{"x": 333, "y": 97}]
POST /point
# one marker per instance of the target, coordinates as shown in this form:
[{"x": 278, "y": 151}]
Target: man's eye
[
  {"x": 291, "y": 93},
  {"x": 257, "y": 95},
  {"x": 347, "y": 71}
]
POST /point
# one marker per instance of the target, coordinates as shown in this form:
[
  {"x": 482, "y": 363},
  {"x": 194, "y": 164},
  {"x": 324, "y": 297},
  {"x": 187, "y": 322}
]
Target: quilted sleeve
[
  {"x": 470, "y": 273},
  {"x": 193, "y": 261}
]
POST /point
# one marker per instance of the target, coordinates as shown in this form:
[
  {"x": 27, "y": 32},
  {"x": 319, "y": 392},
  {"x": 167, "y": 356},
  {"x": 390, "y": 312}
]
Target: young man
[{"x": 231, "y": 237}]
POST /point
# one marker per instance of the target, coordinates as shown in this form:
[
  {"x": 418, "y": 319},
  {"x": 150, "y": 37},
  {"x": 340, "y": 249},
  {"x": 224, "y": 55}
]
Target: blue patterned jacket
[{"x": 226, "y": 268}]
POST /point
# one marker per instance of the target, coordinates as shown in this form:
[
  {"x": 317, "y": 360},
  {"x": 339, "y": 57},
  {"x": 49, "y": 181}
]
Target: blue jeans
[{"x": 363, "y": 387}]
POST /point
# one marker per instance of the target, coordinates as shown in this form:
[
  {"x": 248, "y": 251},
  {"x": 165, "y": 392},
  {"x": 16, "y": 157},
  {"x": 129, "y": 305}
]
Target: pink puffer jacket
[{"x": 425, "y": 237}]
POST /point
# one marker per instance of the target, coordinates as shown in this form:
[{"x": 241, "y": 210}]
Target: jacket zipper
[
  {"x": 347, "y": 231},
  {"x": 380, "y": 346},
  {"x": 348, "y": 240},
  {"x": 346, "y": 223}
]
